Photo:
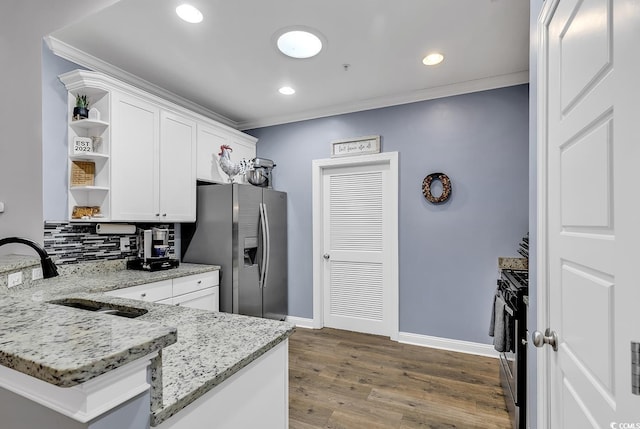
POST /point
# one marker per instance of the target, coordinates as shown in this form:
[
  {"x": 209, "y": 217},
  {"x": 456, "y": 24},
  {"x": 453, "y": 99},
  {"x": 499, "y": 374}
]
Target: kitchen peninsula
[{"x": 202, "y": 365}]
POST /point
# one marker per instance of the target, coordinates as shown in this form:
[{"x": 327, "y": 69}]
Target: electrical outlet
[
  {"x": 125, "y": 245},
  {"x": 15, "y": 279},
  {"x": 36, "y": 273}
]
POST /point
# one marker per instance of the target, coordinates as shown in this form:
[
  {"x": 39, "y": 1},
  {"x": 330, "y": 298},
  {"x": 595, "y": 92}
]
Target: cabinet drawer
[
  {"x": 150, "y": 292},
  {"x": 205, "y": 299},
  {"x": 194, "y": 283}
]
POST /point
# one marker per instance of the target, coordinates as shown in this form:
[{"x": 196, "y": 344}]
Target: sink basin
[{"x": 101, "y": 307}]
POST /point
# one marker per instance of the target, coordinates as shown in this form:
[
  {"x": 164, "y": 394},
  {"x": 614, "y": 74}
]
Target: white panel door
[
  {"x": 134, "y": 159},
  {"x": 177, "y": 175},
  {"x": 591, "y": 232},
  {"x": 356, "y": 249}
]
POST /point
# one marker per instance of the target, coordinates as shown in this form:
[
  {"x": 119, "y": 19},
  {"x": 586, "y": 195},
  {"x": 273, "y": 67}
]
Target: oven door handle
[
  {"x": 507, "y": 305},
  {"x": 508, "y": 310}
]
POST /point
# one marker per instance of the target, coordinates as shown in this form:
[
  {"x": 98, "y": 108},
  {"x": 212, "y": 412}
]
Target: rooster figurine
[{"x": 230, "y": 168}]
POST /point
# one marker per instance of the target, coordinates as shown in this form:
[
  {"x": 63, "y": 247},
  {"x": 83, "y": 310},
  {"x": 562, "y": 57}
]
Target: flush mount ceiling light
[
  {"x": 299, "y": 43},
  {"x": 189, "y": 13},
  {"x": 432, "y": 59},
  {"x": 287, "y": 90}
]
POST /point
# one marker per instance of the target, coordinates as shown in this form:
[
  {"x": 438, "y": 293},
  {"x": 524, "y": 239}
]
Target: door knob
[
  {"x": 325, "y": 256},
  {"x": 550, "y": 337}
]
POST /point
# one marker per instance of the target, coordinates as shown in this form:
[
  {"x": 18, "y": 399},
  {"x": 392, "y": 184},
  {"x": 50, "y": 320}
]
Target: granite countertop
[
  {"x": 507, "y": 263},
  {"x": 210, "y": 346},
  {"x": 67, "y": 347},
  {"x": 15, "y": 262}
]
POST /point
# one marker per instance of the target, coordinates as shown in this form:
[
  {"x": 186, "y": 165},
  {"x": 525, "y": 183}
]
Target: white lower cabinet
[
  {"x": 150, "y": 292},
  {"x": 206, "y": 299},
  {"x": 257, "y": 396},
  {"x": 196, "y": 291}
]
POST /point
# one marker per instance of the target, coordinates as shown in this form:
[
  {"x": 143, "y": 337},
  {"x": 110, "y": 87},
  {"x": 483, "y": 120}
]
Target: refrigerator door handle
[
  {"x": 262, "y": 267},
  {"x": 267, "y": 246}
]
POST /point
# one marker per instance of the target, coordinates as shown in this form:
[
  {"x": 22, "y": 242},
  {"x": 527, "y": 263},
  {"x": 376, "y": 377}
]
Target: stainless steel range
[{"x": 513, "y": 289}]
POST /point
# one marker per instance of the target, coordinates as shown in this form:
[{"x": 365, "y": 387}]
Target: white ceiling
[{"x": 228, "y": 64}]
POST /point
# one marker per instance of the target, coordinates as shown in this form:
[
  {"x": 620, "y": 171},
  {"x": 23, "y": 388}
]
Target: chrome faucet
[{"x": 49, "y": 269}]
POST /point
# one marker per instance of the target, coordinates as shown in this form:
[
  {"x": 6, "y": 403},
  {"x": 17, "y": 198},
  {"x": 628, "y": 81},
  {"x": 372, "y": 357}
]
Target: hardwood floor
[{"x": 340, "y": 379}]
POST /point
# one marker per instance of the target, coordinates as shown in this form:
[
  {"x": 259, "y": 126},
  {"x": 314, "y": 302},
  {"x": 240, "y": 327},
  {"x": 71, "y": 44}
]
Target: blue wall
[{"x": 448, "y": 253}]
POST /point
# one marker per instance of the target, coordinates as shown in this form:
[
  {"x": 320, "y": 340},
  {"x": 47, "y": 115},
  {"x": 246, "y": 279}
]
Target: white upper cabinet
[
  {"x": 153, "y": 162},
  {"x": 177, "y": 175},
  {"x": 134, "y": 159},
  {"x": 210, "y": 138},
  {"x": 151, "y": 154}
]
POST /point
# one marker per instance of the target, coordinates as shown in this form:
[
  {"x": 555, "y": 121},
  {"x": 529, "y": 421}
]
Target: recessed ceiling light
[
  {"x": 189, "y": 13},
  {"x": 287, "y": 90},
  {"x": 299, "y": 44},
  {"x": 433, "y": 59}
]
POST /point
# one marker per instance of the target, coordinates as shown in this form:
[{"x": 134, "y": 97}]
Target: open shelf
[
  {"x": 89, "y": 188},
  {"x": 99, "y": 131},
  {"x": 88, "y": 123},
  {"x": 88, "y": 155},
  {"x": 90, "y": 219}
]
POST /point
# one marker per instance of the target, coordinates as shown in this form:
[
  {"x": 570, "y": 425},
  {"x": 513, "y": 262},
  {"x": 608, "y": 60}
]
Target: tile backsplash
[{"x": 71, "y": 243}]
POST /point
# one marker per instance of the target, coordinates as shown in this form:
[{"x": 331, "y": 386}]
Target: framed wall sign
[
  {"x": 355, "y": 146},
  {"x": 82, "y": 145}
]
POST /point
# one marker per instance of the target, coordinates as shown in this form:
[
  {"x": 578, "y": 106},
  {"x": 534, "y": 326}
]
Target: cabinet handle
[
  {"x": 157, "y": 214},
  {"x": 143, "y": 295},
  {"x": 199, "y": 281},
  {"x": 164, "y": 214}
]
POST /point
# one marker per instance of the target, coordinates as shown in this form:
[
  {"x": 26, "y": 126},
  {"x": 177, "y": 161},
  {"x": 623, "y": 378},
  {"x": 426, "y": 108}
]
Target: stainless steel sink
[{"x": 101, "y": 307}]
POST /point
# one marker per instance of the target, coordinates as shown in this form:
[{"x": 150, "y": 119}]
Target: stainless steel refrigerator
[{"x": 242, "y": 228}]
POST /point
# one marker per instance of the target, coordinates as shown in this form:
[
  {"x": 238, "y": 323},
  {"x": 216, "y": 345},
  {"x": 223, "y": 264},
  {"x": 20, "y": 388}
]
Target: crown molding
[
  {"x": 477, "y": 85},
  {"x": 84, "y": 59},
  {"x": 68, "y": 52}
]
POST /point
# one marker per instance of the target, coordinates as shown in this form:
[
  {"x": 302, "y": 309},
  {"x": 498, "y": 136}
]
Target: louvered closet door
[{"x": 355, "y": 249}]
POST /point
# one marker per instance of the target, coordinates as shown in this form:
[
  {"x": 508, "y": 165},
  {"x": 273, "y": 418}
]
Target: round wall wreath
[{"x": 446, "y": 188}]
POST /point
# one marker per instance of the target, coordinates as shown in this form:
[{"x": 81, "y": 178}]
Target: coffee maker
[{"x": 153, "y": 251}]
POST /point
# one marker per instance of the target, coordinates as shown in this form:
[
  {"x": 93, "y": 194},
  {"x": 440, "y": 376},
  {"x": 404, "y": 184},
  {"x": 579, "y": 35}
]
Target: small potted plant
[{"x": 81, "y": 111}]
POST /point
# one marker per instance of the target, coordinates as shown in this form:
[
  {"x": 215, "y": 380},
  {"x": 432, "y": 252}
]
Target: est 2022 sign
[{"x": 82, "y": 145}]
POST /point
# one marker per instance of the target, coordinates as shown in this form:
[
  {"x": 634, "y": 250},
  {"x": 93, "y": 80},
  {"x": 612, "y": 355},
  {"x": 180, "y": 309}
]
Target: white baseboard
[
  {"x": 448, "y": 344},
  {"x": 301, "y": 322},
  {"x": 421, "y": 340}
]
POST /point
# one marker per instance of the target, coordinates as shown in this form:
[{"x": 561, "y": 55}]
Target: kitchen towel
[{"x": 498, "y": 325}]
